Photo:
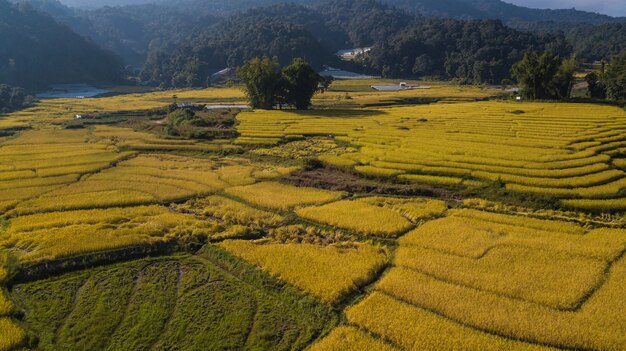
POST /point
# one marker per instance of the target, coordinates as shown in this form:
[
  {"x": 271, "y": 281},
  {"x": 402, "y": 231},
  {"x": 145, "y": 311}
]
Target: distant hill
[
  {"x": 459, "y": 9},
  {"x": 36, "y": 51},
  {"x": 497, "y": 9}
]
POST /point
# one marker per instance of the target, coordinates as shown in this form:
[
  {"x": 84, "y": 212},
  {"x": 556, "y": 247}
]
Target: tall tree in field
[
  {"x": 301, "y": 82},
  {"x": 615, "y": 78},
  {"x": 545, "y": 76},
  {"x": 262, "y": 80},
  {"x": 595, "y": 85}
]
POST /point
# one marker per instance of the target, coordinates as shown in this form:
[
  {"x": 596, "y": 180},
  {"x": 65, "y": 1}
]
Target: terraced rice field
[
  {"x": 568, "y": 151},
  {"x": 487, "y": 281},
  {"x": 306, "y": 232}
]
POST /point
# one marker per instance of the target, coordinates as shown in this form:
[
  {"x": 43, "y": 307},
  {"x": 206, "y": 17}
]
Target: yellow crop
[
  {"x": 414, "y": 328},
  {"x": 606, "y": 205},
  {"x": 53, "y": 235},
  {"x": 231, "y": 211},
  {"x": 557, "y": 280},
  {"x": 474, "y": 238},
  {"x": 11, "y": 335},
  {"x": 598, "y": 324},
  {"x": 307, "y": 266},
  {"x": 336, "y": 161},
  {"x": 348, "y": 338},
  {"x": 378, "y": 172},
  {"x": 560, "y": 150},
  {"x": 282, "y": 196},
  {"x": 434, "y": 180},
  {"x": 359, "y": 216},
  {"x": 414, "y": 209}
]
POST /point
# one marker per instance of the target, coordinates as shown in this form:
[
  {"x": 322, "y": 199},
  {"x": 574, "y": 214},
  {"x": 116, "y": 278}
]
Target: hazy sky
[{"x": 609, "y": 7}]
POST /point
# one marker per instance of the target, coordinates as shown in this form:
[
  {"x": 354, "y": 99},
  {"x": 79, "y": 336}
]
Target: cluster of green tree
[
  {"x": 545, "y": 76},
  {"x": 267, "y": 85},
  {"x": 13, "y": 98},
  {"x": 230, "y": 44},
  {"x": 471, "y": 51},
  {"x": 590, "y": 42},
  {"x": 365, "y": 22},
  {"x": 36, "y": 51},
  {"x": 610, "y": 81}
]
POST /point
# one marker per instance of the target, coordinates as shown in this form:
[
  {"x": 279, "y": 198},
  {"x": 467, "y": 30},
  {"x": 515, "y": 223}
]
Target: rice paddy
[
  {"x": 307, "y": 266},
  {"x": 365, "y": 223},
  {"x": 545, "y": 149},
  {"x": 282, "y": 197}
]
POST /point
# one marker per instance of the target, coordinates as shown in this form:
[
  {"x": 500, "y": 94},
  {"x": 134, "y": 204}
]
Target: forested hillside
[
  {"x": 36, "y": 51},
  {"x": 181, "y": 43},
  {"x": 473, "y": 52},
  {"x": 403, "y": 45},
  {"x": 497, "y": 9}
]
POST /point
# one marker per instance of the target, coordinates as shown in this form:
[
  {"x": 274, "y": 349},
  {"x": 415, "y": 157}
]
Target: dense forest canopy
[
  {"x": 182, "y": 42},
  {"x": 36, "y": 51},
  {"x": 471, "y": 51}
]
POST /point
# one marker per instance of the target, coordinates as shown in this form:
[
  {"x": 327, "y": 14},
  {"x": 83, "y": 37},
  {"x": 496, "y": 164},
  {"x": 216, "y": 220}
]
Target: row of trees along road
[{"x": 267, "y": 85}]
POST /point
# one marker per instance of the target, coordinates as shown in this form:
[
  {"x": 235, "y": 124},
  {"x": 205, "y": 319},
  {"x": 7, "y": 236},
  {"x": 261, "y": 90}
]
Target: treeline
[{"x": 36, "y": 51}]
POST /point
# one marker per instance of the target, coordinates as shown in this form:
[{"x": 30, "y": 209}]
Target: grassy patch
[{"x": 208, "y": 301}]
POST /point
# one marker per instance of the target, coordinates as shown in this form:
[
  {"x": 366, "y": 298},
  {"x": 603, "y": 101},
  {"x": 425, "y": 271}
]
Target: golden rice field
[
  {"x": 488, "y": 281},
  {"x": 50, "y": 236},
  {"x": 458, "y": 270},
  {"x": 358, "y": 216},
  {"x": 567, "y": 151},
  {"x": 282, "y": 197},
  {"x": 307, "y": 266}
]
